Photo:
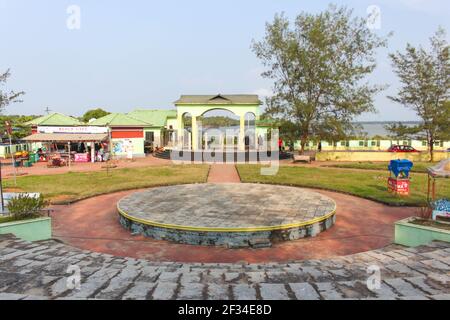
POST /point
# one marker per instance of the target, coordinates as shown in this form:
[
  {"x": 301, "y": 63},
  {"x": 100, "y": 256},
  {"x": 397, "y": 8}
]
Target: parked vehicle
[{"x": 397, "y": 148}]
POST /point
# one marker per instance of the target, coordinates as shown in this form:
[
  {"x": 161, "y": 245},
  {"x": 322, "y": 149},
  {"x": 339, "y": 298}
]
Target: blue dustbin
[{"x": 398, "y": 167}]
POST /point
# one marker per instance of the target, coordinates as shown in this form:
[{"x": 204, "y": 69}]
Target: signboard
[
  {"x": 85, "y": 129},
  {"x": 399, "y": 186}
]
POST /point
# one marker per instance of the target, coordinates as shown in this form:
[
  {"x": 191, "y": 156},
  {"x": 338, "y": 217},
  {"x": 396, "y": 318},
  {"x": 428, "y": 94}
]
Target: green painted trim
[
  {"x": 413, "y": 235},
  {"x": 30, "y": 230},
  {"x": 203, "y": 229}
]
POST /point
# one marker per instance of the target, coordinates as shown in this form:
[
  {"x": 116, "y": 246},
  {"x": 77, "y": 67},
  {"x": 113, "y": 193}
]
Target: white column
[
  {"x": 194, "y": 129},
  {"x": 92, "y": 152},
  {"x": 241, "y": 142}
]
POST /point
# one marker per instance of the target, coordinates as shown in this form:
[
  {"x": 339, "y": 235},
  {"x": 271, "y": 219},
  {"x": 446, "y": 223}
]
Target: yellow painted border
[{"x": 204, "y": 229}]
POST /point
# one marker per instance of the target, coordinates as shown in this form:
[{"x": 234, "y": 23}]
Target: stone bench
[{"x": 298, "y": 158}]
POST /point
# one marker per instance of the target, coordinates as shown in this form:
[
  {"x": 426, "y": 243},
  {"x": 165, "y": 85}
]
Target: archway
[{"x": 219, "y": 129}]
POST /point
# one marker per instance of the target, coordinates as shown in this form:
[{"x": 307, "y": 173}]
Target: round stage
[{"x": 233, "y": 215}]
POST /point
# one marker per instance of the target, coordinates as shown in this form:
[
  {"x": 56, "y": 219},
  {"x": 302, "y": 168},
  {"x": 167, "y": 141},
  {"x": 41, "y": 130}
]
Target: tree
[
  {"x": 319, "y": 68},
  {"x": 94, "y": 114},
  {"x": 20, "y": 130},
  {"x": 424, "y": 77},
  {"x": 6, "y": 98}
]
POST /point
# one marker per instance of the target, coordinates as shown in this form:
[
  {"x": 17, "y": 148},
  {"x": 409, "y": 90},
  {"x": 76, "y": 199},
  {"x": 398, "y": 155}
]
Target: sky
[{"x": 129, "y": 54}]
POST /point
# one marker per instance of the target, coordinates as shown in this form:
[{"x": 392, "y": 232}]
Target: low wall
[
  {"x": 378, "y": 156},
  {"x": 412, "y": 235},
  {"x": 30, "y": 230}
]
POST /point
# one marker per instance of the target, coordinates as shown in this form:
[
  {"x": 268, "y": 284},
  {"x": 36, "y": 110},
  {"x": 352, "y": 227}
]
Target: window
[
  {"x": 361, "y": 143},
  {"x": 424, "y": 143},
  {"x": 150, "y": 136},
  {"x": 373, "y": 143},
  {"x": 343, "y": 143},
  {"x": 405, "y": 143}
]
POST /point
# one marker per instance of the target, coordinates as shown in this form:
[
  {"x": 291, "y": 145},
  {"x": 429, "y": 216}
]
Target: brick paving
[
  {"x": 245, "y": 205},
  {"x": 223, "y": 173},
  {"x": 44, "y": 270}
]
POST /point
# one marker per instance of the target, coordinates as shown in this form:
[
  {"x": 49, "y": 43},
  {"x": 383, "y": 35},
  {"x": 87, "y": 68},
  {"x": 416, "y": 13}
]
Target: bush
[{"x": 25, "y": 207}]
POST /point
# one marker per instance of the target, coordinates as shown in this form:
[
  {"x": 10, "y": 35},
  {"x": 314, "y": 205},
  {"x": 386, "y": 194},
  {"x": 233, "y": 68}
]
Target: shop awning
[{"x": 67, "y": 137}]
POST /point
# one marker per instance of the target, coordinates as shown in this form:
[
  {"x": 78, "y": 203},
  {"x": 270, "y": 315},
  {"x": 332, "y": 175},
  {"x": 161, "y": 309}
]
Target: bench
[{"x": 298, "y": 158}]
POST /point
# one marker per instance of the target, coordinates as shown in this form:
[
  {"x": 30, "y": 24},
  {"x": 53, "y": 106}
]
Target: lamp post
[
  {"x": 9, "y": 131},
  {"x": 1, "y": 189}
]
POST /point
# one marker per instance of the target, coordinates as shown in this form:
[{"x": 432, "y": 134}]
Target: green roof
[
  {"x": 219, "y": 99},
  {"x": 54, "y": 119},
  {"x": 120, "y": 119},
  {"x": 158, "y": 118}
]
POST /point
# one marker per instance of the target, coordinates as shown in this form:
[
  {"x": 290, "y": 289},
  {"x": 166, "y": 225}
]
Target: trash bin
[
  {"x": 399, "y": 184},
  {"x": 400, "y": 167},
  {"x": 27, "y": 164},
  {"x": 17, "y": 164}
]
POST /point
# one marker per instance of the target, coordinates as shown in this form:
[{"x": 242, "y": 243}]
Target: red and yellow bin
[{"x": 398, "y": 186}]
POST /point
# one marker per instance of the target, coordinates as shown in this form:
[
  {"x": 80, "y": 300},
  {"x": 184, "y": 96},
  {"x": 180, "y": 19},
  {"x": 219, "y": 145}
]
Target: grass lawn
[
  {"x": 369, "y": 185},
  {"x": 419, "y": 167},
  {"x": 73, "y": 186},
  {"x": 6, "y": 219}
]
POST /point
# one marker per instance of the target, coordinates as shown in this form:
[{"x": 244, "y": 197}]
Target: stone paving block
[
  {"x": 218, "y": 291},
  {"x": 404, "y": 288},
  {"x": 421, "y": 282},
  {"x": 191, "y": 277},
  {"x": 256, "y": 277},
  {"x": 164, "y": 291},
  {"x": 191, "y": 291},
  {"x": 402, "y": 269},
  {"x": 444, "y": 296},
  {"x": 435, "y": 264},
  {"x": 11, "y": 296},
  {"x": 273, "y": 291},
  {"x": 244, "y": 292},
  {"x": 304, "y": 291},
  {"x": 139, "y": 291},
  {"x": 231, "y": 276},
  {"x": 169, "y": 277},
  {"x": 329, "y": 291},
  {"x": 119, "y": 284}
]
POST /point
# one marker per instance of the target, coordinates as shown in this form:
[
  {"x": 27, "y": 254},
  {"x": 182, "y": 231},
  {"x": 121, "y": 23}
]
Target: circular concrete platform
[{"x": 234, "y": 215}]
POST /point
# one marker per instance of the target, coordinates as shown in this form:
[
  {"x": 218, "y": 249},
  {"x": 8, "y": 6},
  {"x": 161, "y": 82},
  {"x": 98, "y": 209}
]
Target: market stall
[
  {"x": 60, "y": 149},
  {"x": 441, "y": 207}
]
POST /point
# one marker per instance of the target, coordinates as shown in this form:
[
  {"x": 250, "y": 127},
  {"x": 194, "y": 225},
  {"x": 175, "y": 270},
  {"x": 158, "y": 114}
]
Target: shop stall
[{"x": 59, "y": 149}]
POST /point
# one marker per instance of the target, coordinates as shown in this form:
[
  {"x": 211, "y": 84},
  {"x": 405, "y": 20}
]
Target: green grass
[
  {"x": 419, "y": 167},
  {"x": 6, "y": 219},
  {"x": 74, "y": 186},
  {"x": 369, "y": 185}
]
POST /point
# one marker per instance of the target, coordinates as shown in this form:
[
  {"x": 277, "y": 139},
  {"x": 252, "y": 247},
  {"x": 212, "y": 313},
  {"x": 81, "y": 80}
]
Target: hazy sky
[{"x": 133, "y": 53}]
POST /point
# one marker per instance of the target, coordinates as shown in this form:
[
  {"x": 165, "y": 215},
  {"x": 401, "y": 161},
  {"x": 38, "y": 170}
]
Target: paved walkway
[
  {"x": 47, "y": 270},
  {"x": 223, "y": 173},
  {"x": 361, "y": 225}
]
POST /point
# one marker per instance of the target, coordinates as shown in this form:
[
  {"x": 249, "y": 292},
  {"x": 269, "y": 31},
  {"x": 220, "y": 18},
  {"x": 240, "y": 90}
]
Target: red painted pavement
[
  {"x": 361, "y": 225},
  {"x": 223, "y": 173}
]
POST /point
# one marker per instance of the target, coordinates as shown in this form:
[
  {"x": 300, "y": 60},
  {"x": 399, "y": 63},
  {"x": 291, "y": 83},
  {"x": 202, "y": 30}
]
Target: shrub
[{"x": 25, "y": 207}]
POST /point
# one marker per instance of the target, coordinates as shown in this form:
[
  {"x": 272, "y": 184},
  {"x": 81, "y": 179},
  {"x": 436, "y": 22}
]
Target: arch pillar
[
  {"x": 241, "y": 143},
  {"x": 194, "y": 133}
]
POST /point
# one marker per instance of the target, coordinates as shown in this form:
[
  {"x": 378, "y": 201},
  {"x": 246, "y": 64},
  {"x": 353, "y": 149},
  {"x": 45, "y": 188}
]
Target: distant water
[
  {"x": 378, "y": 128},
  {"x": 370, "y": 128}
]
